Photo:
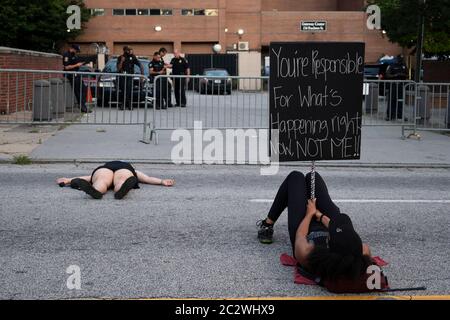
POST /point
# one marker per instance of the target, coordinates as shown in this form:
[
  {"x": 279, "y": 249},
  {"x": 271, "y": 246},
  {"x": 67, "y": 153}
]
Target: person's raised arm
[
  {"x": 143, "y": 178},
  {"x": 62, "y": 182},
  {"x": 322, "y": 219},
  {"x": 73, "y": 66},
  {"x": 154, "y": 73},
  {"x": 302, "y": 247}
]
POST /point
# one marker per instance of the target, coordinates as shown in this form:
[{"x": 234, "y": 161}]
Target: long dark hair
[{"x": 331, "y": 266}]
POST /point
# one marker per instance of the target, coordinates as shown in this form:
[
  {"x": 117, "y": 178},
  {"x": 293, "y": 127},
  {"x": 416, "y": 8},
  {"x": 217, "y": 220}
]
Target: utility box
[
  {"x": 372, "y": 98},
  {"x": 69, "y": 96},
  {"x": 57, "y": 98},
  {"x": 423, "y": 108},
  {"x": 42, "y": 109}
]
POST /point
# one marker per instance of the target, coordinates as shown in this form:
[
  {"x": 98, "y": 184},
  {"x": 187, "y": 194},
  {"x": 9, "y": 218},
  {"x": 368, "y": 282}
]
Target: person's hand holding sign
[{"x": 311, "y": 208}]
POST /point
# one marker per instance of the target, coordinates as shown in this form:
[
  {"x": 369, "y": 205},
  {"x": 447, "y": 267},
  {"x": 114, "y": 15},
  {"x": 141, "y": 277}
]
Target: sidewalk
[{"x": 381, "y": 146}]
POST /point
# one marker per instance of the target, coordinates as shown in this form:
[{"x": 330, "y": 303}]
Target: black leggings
[{"x": 294, "y": 194}]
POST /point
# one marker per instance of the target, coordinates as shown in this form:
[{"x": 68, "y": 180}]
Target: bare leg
[
  {"x": 102, "y": 180},
  {"x": 120, "y": 176}
]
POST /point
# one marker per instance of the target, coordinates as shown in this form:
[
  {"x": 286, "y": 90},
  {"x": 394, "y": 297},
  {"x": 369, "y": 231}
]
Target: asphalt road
[{"x": 199, "y": 238}]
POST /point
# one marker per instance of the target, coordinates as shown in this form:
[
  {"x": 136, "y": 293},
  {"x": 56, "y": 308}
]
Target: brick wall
[
  {"x": 436, "y": 71},
  {"x": 16, "y": 88}
]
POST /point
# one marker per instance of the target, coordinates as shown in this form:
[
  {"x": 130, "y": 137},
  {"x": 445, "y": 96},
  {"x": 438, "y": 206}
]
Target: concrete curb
[
  {"x": 306, "y": 298},
  {"x": 287, "y": 164}
]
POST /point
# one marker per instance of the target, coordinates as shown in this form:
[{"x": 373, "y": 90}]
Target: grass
[{"x": 22, "y": 160}]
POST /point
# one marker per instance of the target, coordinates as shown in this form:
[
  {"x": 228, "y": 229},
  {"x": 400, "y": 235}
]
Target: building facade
[{"x": 237, "y": 25}]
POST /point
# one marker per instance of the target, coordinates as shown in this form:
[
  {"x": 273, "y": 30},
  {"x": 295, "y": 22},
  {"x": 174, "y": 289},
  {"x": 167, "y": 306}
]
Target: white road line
[{"x": 368, "y": 201}]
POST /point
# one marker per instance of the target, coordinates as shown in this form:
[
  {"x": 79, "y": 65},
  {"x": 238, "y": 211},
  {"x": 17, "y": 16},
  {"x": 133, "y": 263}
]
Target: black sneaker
[
  {"x": 85, "y": 186},
  {"x": 265, "y": 232},
  {"x": 129, "y": 184}
]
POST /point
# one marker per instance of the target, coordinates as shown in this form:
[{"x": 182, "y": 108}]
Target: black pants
[
  {"x": 168, "y": 97},
  {"x": 79, "y": 89},
  {"x": 180, "y": 91},
  {"x": 294, "y": 194},
  {"x": 163, "y": 95},
  {"x": 126, "y": 91}
]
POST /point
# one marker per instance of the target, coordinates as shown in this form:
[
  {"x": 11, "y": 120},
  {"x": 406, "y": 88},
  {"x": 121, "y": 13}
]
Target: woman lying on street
[
  {"x": 323, "y": 240},
  {"x": 117, "y": 175}
]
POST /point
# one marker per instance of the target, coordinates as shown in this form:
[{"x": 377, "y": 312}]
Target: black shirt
[
  {"x": 70, "y": 59},
  {"x": 157, "y": 66},
  {"x": 179, "y": 66},
  {"x": 128, "y": 64}
]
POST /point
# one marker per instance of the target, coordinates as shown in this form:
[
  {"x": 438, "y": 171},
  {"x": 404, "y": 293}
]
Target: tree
[
  {"x": 399, "y": 18},
  {"x": 37, "y": 24}
]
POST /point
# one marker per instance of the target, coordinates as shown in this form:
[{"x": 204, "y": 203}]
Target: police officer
[
  {"x": 125, "y": 65},
  {"x": 180, "y": 66},
  {"x": 157, "y": 68},
  {"x": 168, "y": 97},
  {"x": 72, "y": 63}
]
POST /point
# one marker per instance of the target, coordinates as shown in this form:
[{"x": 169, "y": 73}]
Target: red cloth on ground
[{"x": 288, "y": 261}]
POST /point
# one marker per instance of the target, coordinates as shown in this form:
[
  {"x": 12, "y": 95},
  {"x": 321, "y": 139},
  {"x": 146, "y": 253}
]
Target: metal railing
[
  {"x": 222, "y": 102},
  {"x": 433, "y": 107},
  {"x": 218, "y": 102},
  {"x": 60, "y": 97}
]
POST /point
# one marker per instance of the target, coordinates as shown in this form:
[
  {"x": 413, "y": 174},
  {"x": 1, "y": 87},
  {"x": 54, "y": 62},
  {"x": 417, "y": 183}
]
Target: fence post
[
  {"x": 146, "y": 138},
  {"x": 415, "y": 135}
]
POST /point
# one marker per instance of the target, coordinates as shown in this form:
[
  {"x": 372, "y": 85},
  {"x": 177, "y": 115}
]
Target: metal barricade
[
  {"x": 433, "y": 107},
  {"x": 59, "y": 97},
  {"x": 218, "y": 102},
  {"x": 389, "y": 103}
]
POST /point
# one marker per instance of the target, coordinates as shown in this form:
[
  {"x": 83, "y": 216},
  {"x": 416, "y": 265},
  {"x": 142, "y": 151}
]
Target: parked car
[
  {"x": 374, "y": 72},
  {"x": 220, "y": 83},
  {"x": 107, "y": 84}
]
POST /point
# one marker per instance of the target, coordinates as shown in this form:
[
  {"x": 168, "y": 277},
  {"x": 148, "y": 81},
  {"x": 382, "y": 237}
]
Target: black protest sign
[{"x": 316, "y": 92}]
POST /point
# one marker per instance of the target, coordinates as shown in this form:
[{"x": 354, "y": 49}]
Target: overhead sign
[
  {"x": 313, "y": 26},
  {"x": 316, "y": 100}
]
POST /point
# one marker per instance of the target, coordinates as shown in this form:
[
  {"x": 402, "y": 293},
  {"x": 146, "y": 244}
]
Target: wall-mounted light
[
  {"x": 226, "y": 30},
  {"x": 240, "y": 33},
  {"x": 217, "y": 48},
  {"x": 158, "y": 28}
]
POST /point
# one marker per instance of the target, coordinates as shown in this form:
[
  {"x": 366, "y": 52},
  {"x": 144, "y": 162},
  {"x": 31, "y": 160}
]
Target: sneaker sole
[
  {"x": 266, "y": 241},
  {"x": 126, "y": 187},
  {"x": 88, "y": 189}
]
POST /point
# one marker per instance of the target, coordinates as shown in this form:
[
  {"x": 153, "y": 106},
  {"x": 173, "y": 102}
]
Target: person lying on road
[
  {"x": 323, "y": 239},
  {"x": 117, "y": 175}
]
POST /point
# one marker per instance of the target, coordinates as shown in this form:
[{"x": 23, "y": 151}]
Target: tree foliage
[
  {"x": 400, "y": 19},
  {"x": 37, "y": 24}
]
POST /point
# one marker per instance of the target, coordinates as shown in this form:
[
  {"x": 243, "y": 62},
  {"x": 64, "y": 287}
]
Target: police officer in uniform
[
  {"x": 163, "y": 53},
  {"x": 72, "y": 63},
  {"x": 125, "y": 65},
  {"x": 157, "y": 68},
  {"x": 180, "y": 66}
]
